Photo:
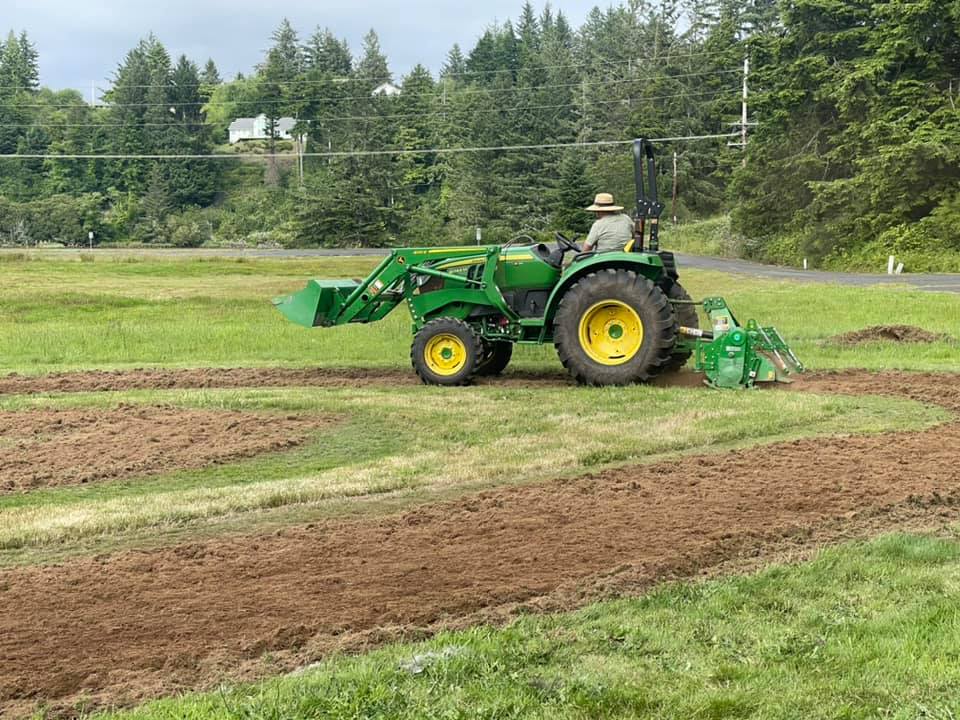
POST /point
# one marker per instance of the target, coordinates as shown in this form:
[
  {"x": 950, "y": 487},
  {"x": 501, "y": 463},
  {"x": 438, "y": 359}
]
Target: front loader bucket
[{"x": 317, "y": 305}]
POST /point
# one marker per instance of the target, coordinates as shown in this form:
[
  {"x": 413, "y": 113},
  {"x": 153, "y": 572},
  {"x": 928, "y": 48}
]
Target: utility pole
[
  {"x": 744, "y": 123},
  {"x": 676, "y": 188},
  {"x": 743, "y": 117},
  {"x": 301, "y": 139},
  {"x": 443, "y": 101}
]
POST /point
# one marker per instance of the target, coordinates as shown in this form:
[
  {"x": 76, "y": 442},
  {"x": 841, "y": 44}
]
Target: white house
[
  {"x": 387, "y": 89},
  {"x": 256, "y": 129}
]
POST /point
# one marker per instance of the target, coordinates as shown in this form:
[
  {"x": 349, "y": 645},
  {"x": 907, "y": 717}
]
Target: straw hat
[{"x": 604, "y": 203}]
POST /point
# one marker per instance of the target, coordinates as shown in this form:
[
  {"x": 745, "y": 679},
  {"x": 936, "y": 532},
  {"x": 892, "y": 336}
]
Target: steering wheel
[{"x": 567, "y": 245}]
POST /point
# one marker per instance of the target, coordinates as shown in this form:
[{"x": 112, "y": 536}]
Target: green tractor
[{"x": 615, "y": 318}]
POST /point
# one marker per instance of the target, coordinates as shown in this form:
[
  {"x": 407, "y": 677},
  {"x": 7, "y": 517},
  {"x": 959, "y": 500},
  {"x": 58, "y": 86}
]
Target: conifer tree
[
  {"x": 455, "y": 65},
  {"x": 574, "y": 192},
  {"x": 29, "y": 70},
  {"x": 373, "y": 68},
  {"x": 325, "y": 53},
  {"x": 211, "y": 75}
]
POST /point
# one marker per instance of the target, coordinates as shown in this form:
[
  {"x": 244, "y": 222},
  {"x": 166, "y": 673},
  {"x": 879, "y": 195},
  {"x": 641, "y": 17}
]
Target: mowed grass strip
[
  {"x": 863, "y": 631},
  {"x": 424, "y": 442},
  {"x": 134, "y": 312}
]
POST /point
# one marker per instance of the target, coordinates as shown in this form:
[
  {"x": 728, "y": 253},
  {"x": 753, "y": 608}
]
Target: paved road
[{"x": 931, "y": 283}]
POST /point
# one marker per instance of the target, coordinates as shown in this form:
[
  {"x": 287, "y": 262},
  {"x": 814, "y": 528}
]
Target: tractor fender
[{"x": 648, "y": 265}]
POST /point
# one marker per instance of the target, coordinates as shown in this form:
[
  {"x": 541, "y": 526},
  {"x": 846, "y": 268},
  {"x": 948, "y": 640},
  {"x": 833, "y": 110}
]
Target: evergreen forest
[{"x": 852, "y": 148}]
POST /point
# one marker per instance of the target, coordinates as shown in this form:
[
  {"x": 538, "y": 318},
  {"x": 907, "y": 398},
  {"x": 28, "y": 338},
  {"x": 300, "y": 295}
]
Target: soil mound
[
  {"x": 889, "y": 333},
  {"x": 120, "y": 628},
  {"x": 47, "y": 448},
  {"x": 941, "y": 389}
]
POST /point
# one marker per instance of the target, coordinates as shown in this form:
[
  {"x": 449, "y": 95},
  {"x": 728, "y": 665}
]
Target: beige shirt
[{"x": 610, "y": 232}]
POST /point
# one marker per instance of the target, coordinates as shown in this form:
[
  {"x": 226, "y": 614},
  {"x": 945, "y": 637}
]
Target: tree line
[{"x": 852, "y": 140}]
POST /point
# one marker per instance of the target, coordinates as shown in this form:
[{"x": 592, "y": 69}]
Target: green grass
[
  {"x": 864, "y": 631},
  {"x": 713, "y": 237},
  {"x": 123, "y": 313}
]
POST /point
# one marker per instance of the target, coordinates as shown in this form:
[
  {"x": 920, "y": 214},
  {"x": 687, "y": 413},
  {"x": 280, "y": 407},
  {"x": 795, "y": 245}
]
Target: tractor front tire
[
  {"x": 614, "y": 327},
  {"x": 686, "y": 315},
  {"x": 496, "y": 357},
  {"x": 447, "y": 352}
]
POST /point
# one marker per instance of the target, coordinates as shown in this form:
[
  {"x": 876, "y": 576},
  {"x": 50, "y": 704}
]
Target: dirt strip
[
  {"x": 106, "y": 381},
  {"x": 122, "y": 628},
  {"x": 49, "y": 448}
]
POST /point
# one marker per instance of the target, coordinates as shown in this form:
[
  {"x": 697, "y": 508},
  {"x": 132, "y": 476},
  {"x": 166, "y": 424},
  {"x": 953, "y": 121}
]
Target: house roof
[
  {"x": 386, "y": 89},
  {"x": 284, "y": 124}
]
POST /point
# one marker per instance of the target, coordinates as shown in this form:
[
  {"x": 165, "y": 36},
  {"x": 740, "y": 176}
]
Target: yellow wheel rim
[
  {"x": 611, "y": 333},
  {"x": 445, "y": 354}
]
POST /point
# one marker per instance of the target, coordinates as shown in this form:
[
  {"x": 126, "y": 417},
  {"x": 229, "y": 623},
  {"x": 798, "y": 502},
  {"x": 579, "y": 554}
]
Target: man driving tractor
[{"x": 613, "y": 229}]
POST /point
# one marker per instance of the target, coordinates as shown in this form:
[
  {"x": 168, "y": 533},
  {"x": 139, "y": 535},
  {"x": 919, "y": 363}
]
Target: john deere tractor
[{"x": 615, "y": 317}]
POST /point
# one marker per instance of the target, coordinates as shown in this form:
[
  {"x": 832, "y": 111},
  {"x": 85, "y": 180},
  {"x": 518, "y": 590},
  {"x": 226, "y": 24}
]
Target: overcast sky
[{"x": 82, "y": 41}]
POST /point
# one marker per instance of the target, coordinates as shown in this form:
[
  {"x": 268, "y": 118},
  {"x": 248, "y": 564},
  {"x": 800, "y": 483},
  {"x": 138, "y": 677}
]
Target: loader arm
[{"x": 397, "y": 279}]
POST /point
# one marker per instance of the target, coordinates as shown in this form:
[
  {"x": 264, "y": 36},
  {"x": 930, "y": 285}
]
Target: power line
[
  {"x": 395, "y": 116},
  {"x": 637, "y": 63},
  {"x": 433, "y": 94},
  {"x": 361, "y": 153}
]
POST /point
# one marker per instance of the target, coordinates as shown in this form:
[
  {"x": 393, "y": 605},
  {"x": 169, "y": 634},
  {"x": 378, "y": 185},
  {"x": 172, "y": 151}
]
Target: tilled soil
[
  {"x": 121, "y": 628},
  {"x": 107, "y": 381},
  {"x": 47, "y": 448},
  {"x": 891, "y": 333}
]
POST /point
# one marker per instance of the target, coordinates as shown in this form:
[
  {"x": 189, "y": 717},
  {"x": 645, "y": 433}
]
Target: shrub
[
  {"x": 62, "y": 219},
  {"x": 189, "y": 229},
  {"x": 916, "y": 245}
]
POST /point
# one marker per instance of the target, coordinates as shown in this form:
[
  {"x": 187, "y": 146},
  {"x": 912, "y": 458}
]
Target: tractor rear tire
[
  {"x": 614, "y": 327},
  {"x": 496, "y": 357},
  {"x": 686, "y": 317},
  {"x": 447, "y": 352}
]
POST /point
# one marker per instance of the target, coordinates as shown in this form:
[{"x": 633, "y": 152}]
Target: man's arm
[{"x": 590, "y": 243}]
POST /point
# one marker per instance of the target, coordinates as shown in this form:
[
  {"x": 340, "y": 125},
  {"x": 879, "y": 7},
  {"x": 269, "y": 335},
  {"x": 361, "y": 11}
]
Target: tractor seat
[{"x": 553, "y": 258}]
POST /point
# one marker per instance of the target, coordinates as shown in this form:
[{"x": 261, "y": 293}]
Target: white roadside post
[
  {"x": 90, "y": 238},
  {"x": 900, "y": 269},
  {"x": 479, "y": 236},
  {"x": 890, "y": 265}
]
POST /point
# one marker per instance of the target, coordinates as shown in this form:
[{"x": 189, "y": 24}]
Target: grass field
[
  {"x": 135, "y": 312},
  {"x": 130, "y": 312},
  {"x": 831, "y": 638}
]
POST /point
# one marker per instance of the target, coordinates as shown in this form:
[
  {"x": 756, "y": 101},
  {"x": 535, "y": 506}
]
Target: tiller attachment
[{"x": 738, "y": 356}]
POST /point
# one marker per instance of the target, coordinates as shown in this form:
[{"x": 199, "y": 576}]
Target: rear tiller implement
[{"x": 614, "y": 317}]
